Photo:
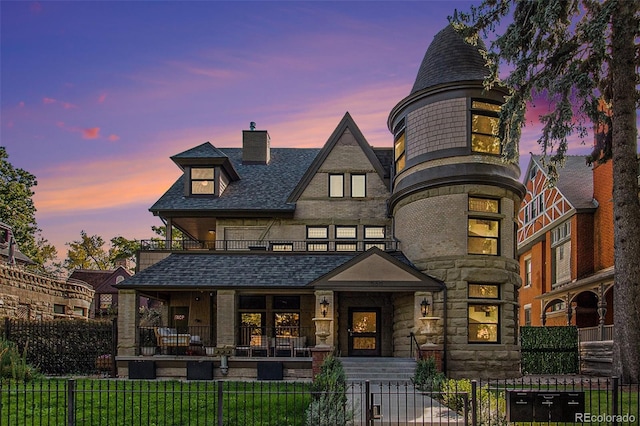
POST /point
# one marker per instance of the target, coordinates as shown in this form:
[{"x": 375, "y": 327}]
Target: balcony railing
[
  {"x": 270, "y": 245},
  {"x": 175, "y": 341}
]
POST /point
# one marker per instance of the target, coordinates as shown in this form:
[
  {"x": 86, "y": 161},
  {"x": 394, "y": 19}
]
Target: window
[
  {"x": 374, "y": 233},
  {"x": 484, "y": 127},
  {"x": 358, "y": 186},
  {"x": 527, "y": 314},
  {"x": 561, "y": 254},
  {"x": 79, "y": 311},
  {"x": 317, "y": 232},
  {"x": 106, "y": 300},
  {"x": 484, "y": 316},
  {"x": 59, "y": 309},
  {"x": 252, "y": 317},
  {"x": 282, "y": 247},
  {"x": 336, "y": 186},
  {"x": 286, "y": 317},
  {"x": 527, "y": 272},
  {"x": 534, "y": 208},
  {"x": 202, "y": 179},
  {"x": 346, "y": 232},
  {"x": 399, "y": 147},
  {"x": 483, "y": 232}
]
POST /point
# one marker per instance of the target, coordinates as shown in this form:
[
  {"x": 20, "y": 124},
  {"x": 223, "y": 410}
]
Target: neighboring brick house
[
  {"x": 565, "y": 244},
  {"x": 344, "y": 247},
  {"x": 105, "y": 302}
]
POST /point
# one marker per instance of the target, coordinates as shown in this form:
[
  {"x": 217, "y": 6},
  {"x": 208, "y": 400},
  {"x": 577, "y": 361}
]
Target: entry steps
[{"x": 378, "y": 369}]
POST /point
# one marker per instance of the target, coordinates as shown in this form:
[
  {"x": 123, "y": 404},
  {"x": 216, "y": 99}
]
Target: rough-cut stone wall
[
  {"x": 596, "y": 358},
  {"x": 31, "y": 296}
]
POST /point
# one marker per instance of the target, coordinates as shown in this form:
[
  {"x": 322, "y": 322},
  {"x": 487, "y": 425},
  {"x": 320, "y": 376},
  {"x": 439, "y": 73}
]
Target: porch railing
[
  {"x": 252, "y": 341},
  {"x": 270, "y": 245},
  {"x": 595, "y": 334}
]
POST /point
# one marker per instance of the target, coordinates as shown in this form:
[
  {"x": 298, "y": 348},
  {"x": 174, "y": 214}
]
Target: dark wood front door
[{"x": 364, "y": 331}]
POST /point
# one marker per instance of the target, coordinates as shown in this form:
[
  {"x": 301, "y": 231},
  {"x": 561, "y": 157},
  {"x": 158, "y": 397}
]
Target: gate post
[
  {"x": 368, "y": 398},
  {"x": 220, "y": 411},
  {"x": 614, "y": 399},
  {"x": 474, "y": 403}
]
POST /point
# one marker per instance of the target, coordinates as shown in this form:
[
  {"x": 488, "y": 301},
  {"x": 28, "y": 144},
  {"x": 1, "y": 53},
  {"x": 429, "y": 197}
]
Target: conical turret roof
[{"x": 449, "y": 59}]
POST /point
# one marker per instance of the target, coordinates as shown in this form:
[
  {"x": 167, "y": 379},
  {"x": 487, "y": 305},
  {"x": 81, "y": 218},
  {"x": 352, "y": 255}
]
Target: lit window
[
  {"x": 483, "y": 232},
  {"x": 374, "y": 232},
  {"x": 202, "y": 181},
  {"x": 484, "y": 127},
  {"x": 282, "y": 247},
  {"x": 399, "y": 148},
  {"x": 358, "y": 186},
  {"x": 317, "y": 232},
  {"x": 336, "y": 186},
  {"x": 484, "y": 317},
  {"x": 345, "y": 232}
]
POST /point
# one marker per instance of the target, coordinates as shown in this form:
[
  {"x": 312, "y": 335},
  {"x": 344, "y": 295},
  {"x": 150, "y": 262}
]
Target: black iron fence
[
  {"x": 605, "y": 401},
  {"x": 63, "y": 347}
]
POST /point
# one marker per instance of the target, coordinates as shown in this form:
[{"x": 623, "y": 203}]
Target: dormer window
[
  {"x": 484, "y": 127},
  {"x": 202, "y": 181}
]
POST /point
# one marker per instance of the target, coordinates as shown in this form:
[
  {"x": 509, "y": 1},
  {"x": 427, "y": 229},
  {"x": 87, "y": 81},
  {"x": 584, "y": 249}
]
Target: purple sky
[{"x": 96, "y": 96}]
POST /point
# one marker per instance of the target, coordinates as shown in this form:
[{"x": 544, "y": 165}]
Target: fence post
[
  {"x": 474, "y": 403},
  {"x": 71, "y": 402},
  {"x": 614, "y": 399},
  {"x": 114, "y": 346},
  {"x": 220, "y": 411}
]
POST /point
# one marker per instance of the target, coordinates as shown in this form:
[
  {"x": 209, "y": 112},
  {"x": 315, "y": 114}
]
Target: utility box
[
  {"x": 270, "y": 370},
  {"x": 142, "y": 369},
  {"x": 544, "y": 406},
  {"x": 199, "y": 370}
]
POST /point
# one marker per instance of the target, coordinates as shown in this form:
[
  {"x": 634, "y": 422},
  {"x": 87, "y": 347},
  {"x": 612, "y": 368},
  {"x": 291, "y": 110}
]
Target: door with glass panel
[{"x": 364, "y": 332}]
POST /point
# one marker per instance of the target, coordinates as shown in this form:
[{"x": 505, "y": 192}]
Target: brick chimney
[{"x": 255, "y": 146}]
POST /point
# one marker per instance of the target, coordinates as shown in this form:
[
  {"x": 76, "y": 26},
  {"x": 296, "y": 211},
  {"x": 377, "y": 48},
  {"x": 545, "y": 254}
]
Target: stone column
[
  {"x": 169, "y": 233},
  {"x": 226, "y": 318},
  {"x": 319, "y": 318},
  {"x": 128, "y": 322}
]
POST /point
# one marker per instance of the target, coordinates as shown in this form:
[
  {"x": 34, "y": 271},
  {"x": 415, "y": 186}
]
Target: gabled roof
[
  {"x": 205, "y": 155},
  {"x": 380, "y": 270},
  {"x": 450, "y": 59},
  {"x": 575, "y": 180},
  {"x": 263, "y": 187},
  {"x": 346, "y": 123},
  {"x": 100, "y": 280},
  {"x": 248, "y": 270}
]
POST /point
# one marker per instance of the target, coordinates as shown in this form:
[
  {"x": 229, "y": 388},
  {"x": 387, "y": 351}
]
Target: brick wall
[{"x": 603, "y": 220}]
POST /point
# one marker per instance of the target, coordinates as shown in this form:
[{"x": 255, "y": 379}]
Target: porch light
[
  {"x": 424, "y": 307},
  {"x": 323, "y": 306}
]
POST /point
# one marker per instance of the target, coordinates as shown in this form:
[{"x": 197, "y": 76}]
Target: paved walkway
[{"x": 400, "y": 404}]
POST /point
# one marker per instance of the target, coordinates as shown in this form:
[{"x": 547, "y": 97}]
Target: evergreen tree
[{"x": 580, "y": 54}]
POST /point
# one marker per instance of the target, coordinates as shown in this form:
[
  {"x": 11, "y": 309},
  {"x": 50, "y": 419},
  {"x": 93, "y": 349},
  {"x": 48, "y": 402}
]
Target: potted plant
[
  {"x": 209, "y": 349},
  {"x": 148, "y": 341}
]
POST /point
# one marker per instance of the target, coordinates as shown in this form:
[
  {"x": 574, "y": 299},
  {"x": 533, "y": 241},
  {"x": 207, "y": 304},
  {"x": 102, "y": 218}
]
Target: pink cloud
[
  {"x": 102, "y": 98},
  {"x": 21, "y": 104},
  {"x": 60, "y": 124},
  {"x": 67, "y": 105},
  {"x": 35, "y": 7},
  {"x": 48, "y": 101},
  {"x": 91, "y": 133},
  {"x": 113, "y": 138}
]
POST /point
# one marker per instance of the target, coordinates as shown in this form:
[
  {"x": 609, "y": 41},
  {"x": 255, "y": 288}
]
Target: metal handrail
[
  {"x": 280, "y": 245},
  {"x": 412, "y": 337}
]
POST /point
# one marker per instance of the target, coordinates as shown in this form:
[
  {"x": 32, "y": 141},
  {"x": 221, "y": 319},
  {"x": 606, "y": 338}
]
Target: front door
[{"x": 364, "y": 331}]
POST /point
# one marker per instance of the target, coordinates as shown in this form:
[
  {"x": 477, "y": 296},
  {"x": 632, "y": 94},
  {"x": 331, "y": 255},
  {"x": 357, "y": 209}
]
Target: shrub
[
  {"x": 549, "y": 350},
  {"x": 13, "y": 365},
  {"x": 329, "y": 390},
  {"x": 427, "y": 377},
  {"x": 492, "y": 406}
]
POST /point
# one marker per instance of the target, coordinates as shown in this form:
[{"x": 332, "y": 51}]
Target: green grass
[{"x": 167, "y": 403}]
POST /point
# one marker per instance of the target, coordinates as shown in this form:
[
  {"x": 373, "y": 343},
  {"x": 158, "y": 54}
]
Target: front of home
[{"x": 290, "y": 253}]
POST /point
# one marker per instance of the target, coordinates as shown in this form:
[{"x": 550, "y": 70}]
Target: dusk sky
[{"x": 96, "y": 96}]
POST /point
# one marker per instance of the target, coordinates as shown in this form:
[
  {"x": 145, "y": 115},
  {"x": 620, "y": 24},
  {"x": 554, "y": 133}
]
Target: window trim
[
  {"x": 368, "y": 227},
  {"x": 354, "y": 228},
  {"x": 193, "y": 180},
  {"x": 333, "y": 186},
  {"x": 484, "y": 215},
  {"x": 399, "y": 156},
  {"x": 481, "y": 112},
  {"x": 364, "y": 186},
  {"x": 484, "y": 303},
  {"x": 528, "y": 272}
]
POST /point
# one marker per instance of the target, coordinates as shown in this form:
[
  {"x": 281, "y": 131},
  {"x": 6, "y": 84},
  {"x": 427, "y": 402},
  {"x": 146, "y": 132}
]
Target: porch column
[
  {"x": 128, "y": 322},
  {"x": 169, "y": 232},
  {"x": 325, "y": 309},
  {"x": 226, "y": 318},
  {"x": 426, "y": 324},
  {"x": 602, "y": 312}
]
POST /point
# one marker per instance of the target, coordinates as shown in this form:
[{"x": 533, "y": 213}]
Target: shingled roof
[
  {"x": 260, "y": 187},
  {"x": 450, "y": 59},
  {"x": 233, "y": 270},
  {"x": 575, "y": 181}
]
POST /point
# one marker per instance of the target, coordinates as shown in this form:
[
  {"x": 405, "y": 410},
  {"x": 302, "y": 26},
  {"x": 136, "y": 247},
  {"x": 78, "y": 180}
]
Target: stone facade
[{"x": 31, "y": 296}]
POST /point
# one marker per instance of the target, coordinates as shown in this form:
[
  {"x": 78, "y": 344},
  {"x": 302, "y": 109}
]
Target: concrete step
[{"x": 378, "y": 370}]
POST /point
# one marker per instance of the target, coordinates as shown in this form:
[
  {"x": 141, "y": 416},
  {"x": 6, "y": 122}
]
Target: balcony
[{"x": 319, "y": 246}]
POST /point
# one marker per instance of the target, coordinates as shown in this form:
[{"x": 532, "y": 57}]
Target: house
[
  {"x": 565, "y": 244},
  {"x": 26, "y": 293},
  {"x": 105, "y": 302},
  {"x": 372, "y": 252}
]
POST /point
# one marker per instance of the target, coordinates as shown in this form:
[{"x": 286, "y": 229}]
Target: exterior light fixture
[
  {"x": 323, "y": 306},
  {"x": 424, "y": 307}
]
